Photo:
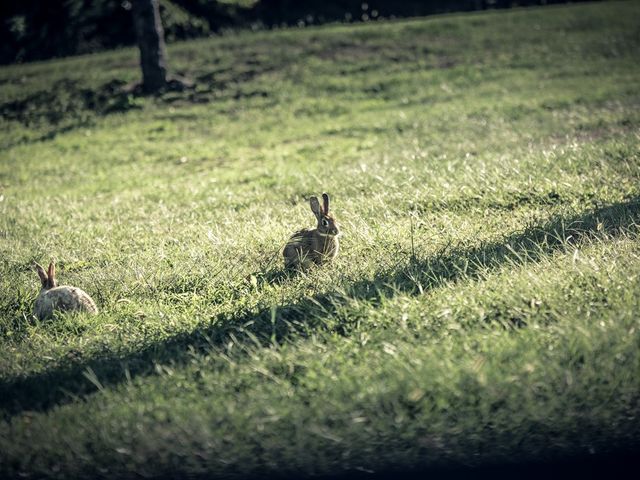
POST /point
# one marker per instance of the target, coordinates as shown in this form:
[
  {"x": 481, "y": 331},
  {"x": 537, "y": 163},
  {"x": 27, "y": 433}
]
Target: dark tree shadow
[
  {"x": 68, "y": 381},
  {"x": 66, "y": 105},
  {"x": 66, "y": 98}
]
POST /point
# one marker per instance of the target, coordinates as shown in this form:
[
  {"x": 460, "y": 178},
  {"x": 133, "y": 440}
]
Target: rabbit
[
  {"x": 314, "y": 246},
  {"x": 61, "y": 299}
]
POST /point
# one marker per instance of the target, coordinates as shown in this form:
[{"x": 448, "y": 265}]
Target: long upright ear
[
  {"x": 315, "y": 207},
  {"x": 325, "y": 201},
  {"x": 42, "y": 274},
  {"x": 51, "y": 273}
]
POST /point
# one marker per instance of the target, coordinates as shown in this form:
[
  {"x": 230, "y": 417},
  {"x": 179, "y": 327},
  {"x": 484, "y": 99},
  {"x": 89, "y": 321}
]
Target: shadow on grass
[
  {"x": 69, "y": 380},
  {"x": 66, "y": 99},
  {"x": 66, "y": 104}
]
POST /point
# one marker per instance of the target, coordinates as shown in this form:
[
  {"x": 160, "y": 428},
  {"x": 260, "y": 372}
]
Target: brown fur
[{"x": 314, "y": 246}]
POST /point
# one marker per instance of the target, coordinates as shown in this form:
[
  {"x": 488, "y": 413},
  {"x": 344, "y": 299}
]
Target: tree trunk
[{"x": 150, "y": 34}]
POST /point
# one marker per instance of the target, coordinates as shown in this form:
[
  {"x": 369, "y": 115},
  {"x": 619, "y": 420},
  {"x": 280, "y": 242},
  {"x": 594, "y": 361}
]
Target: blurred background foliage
[{"x": 36, "y": 30}]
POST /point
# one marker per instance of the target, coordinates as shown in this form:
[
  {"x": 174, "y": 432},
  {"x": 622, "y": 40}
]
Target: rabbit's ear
[
  {"x": 315, "y": 207},
  {"x": 51, "y": 273},
  {"x": 325, "y": 201},
  {"x": 42, "y": 274}
]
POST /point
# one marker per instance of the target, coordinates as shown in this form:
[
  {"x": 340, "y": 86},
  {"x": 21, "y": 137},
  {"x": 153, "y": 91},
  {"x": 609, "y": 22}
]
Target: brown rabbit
[
  {"x": 61, "y": 299},
  {"x": 317, "y": 245}
]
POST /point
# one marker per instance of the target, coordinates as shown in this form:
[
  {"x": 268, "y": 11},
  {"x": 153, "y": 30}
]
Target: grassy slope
[{"x": 484, "y": 307}]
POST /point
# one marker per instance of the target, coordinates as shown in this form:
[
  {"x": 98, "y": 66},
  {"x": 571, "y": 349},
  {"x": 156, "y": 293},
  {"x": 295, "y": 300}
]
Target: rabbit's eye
[{"x": 325, "y": 222}]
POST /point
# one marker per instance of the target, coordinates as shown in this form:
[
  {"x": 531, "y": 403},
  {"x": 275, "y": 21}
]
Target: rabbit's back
[
  {"x": 307, "y": 246},
  {"x": 63, "y": 299}
]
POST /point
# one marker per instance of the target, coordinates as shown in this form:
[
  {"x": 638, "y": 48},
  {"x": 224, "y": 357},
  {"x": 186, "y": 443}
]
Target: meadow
[{"x": 484, "y": 309}]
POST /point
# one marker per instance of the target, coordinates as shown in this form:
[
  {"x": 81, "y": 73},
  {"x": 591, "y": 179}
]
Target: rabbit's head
[
  {"x": 48, "y": 278},
  {"x": 326, "y": 223}
]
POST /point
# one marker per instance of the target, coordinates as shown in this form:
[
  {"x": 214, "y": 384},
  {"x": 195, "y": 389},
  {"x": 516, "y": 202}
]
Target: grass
[{"x": 484, "y": 169}]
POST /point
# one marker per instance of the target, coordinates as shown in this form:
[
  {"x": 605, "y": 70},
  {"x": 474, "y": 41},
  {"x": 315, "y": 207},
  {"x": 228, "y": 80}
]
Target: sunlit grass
[{"x": 484, "y": 307}]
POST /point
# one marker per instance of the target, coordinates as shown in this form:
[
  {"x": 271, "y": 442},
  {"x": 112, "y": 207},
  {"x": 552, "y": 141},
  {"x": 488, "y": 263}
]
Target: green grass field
[{"x": 484, "y": 308}]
